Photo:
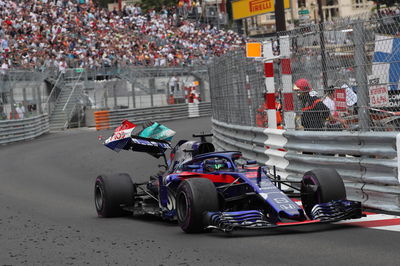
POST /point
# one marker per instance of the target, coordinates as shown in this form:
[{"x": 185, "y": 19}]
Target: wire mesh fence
[
  {"x": 136, "y": 87},
  {"x": 71, "y": 95},
  {"x": 345, "y": 76},
  {"x": 21, "y": 94},
  {"x": 236, "y": 84}
]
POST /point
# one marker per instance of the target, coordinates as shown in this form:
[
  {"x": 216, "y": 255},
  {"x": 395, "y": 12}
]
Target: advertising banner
[{"x": 249, "y": 8}]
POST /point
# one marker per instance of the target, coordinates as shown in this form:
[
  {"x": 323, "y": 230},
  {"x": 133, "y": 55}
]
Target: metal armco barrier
[
  {"x": 264, "y": 145},
  {"x": 23, "y": 129},
  {"x": 113, "y": 118},
  {"x": 367, "y": 161}
]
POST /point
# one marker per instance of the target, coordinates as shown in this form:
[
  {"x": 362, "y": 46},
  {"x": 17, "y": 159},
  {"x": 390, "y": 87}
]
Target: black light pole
[
  {"x": 280, "y": 22},
  {"x": 322, "y": 42}
]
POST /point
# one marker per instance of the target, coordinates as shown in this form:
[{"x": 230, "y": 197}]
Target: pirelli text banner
[{"x": 249, "y": 8}]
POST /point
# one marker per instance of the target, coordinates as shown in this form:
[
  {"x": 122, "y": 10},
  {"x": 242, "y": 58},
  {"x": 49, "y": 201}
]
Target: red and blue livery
[{"x": 204, "y": 189}]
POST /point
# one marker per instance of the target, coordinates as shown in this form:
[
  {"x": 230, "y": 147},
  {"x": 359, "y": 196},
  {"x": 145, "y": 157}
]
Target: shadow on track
[{"x": 294, "y": 230}]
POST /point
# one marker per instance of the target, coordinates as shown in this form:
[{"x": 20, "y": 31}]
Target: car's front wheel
[
  {"x": 320, "y": 186},
  {"x": 112, "y": 193},
  {"x": 195, "y": 197}
]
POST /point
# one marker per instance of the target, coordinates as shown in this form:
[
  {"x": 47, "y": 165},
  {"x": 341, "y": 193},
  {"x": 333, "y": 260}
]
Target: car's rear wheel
[
  {"x": 195, "y": 197},
  {"x": 320, "y": 186},
  {"x": 112, "y": 193}
]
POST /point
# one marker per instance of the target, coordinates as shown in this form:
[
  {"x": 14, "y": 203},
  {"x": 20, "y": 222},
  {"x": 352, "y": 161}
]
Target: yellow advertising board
[{"x": 249, "y": 8}]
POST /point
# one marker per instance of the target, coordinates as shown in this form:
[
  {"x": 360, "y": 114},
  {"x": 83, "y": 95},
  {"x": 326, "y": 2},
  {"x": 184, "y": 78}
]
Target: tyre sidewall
[
  {"x": 185, "y": 193},
  {"x": 117, "y": 189},
  {"x": 201, "y": 196},
  {"x": 329, "y": 184}
]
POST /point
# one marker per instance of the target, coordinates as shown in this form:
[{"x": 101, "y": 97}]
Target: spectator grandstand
[{"x": 41, "y": 34}]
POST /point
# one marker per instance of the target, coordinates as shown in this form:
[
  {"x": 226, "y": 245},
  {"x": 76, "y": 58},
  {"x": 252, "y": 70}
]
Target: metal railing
[
  {"x": 161, "y": 113},
  {"x": 367, "y": 162},
  {"x": 76, "y": 81},
  {"x": 23, "y": 129},
  {"x": 52, "y": 98}
]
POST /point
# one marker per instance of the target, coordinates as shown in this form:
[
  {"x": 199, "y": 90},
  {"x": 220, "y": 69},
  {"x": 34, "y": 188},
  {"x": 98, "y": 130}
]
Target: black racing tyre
[
  {"x": 195, "y": 196},
  {"x": 320, "y": 186},
  {"x": 111, "y": 192}
]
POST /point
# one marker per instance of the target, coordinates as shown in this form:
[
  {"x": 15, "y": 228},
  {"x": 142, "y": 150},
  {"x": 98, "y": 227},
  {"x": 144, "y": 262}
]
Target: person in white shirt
[
  {"x": 4, "y": 68},
  {"x": 334, "y": 120},
  {"x": 20, "y": 111}
]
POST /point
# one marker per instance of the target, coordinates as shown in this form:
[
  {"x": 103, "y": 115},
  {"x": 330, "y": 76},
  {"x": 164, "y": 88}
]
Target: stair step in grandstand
[{"x": 65, "y": 106}]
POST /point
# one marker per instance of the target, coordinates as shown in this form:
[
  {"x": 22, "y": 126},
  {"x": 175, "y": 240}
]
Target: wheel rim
[
  {"x": 182, "y": 206},
  {"x": 99, "y": 197}
]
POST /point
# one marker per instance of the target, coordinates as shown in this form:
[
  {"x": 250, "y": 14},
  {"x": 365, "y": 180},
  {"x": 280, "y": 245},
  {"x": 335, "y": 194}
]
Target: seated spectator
[{"x": 41, "y": 34}]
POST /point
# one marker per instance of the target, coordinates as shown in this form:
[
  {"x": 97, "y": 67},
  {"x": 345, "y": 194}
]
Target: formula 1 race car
[{"x": 204, "y": 189}]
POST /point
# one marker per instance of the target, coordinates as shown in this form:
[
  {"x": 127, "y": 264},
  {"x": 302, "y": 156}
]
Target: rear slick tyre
[
  {"x": 195, "y": 197},
  {"x": 320, "y": 186},
  {"x": 113, "y": 192}
]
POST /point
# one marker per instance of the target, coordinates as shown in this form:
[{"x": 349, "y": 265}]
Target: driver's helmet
[{"x": 213, "y": 165}]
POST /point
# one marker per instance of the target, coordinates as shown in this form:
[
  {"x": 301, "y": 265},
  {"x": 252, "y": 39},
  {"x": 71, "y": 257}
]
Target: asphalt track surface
[{"x": 47, "y": 216}]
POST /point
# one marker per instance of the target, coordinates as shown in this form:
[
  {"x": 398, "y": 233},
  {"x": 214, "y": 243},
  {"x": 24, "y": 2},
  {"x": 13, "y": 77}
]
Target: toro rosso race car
[{"x": 203, "y": 189}]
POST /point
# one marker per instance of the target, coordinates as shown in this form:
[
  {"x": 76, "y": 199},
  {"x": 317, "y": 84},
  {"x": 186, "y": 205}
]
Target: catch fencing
[
  {"x": 27, "y": 93},
  {"x": 22, "y": 93},
  {"x": 113, "y": 118},
  {"x": 353, "y": 68},
  {"x": 141, "y": 87},
  {"x": 351, "y": 65}
]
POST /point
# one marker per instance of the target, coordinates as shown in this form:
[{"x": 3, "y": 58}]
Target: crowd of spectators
[{"x": 40, "y": 34}]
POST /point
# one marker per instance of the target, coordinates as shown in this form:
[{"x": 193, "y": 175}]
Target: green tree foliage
[{"x": 157, "y": 4}]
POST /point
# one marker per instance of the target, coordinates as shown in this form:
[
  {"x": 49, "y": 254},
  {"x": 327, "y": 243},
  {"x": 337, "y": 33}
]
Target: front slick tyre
[
  {"x": 195, "y": 197},
  {"x": 111, "y": 193},
  {"x": 320, "y": 186}
]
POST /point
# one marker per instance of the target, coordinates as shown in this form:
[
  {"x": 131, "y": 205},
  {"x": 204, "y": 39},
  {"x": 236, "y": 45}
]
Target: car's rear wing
[
  {"x": 154, "y": 147},
  {"x": 123, "y": 139}
]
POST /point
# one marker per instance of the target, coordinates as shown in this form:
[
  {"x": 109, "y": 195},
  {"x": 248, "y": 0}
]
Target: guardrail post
[
  {"x": 12, "y": 102},
  {"x": 35, "y": 99},
  {"x": 132, "y": 80},
  {"x": 152, "y": 84},
  {"x": 361, "y": 75},
  {"x": 39, "y": 106},
  {"x": 106, "y": 97},
  {"x": 24, "y": 99},
  {"x": 202, "y": 89},
  {"x": 115, "y": 94}
]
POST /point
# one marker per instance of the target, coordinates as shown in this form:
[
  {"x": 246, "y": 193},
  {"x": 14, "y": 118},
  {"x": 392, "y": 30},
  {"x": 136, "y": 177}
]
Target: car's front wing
[{"x": 254, "y": 219}]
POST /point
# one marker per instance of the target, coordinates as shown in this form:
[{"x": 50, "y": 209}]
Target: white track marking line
[{"x": 388, "y": 228}]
